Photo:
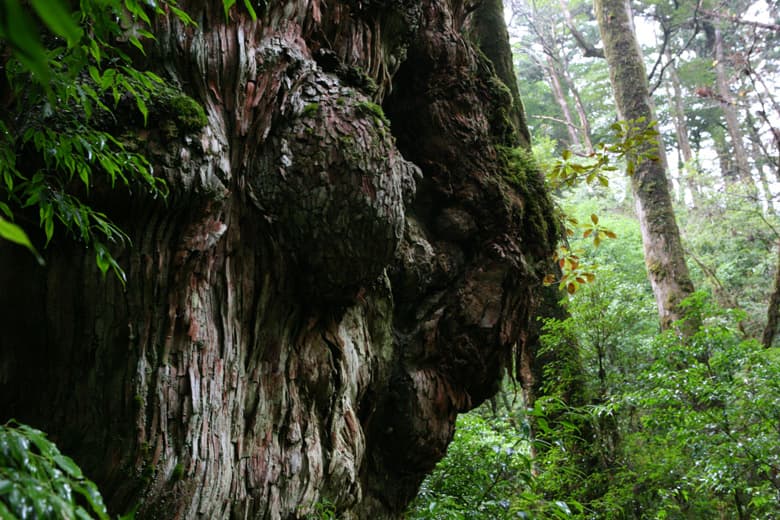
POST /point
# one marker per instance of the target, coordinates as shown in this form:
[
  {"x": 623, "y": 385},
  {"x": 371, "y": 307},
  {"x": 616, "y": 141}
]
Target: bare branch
[
  {"x": 557, "y": 120},
  {"x": 737, "y": 20},
  {"x": 588, "y": 50}
]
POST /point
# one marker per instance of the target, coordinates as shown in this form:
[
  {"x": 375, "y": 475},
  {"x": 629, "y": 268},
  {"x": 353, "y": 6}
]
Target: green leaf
[
  {"x": 227, "y": 4},
  {"x": 563, "y": 507},
  {"x": 58, "y": 18},
  {"x": 67, "y": 465},
  {"x": 15, "y": 234},
  {"x": 22, "y": 34},
  {"x": 141, "y": 104},
  {"x": 181, "y": 15},
  {"x": 252, "y": 13}
]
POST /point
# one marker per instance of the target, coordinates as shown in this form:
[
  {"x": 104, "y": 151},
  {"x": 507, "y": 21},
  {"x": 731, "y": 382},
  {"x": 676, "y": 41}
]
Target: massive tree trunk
[
  {"x": 664, "y": 257},
  {"x": 297, "y": 326}
]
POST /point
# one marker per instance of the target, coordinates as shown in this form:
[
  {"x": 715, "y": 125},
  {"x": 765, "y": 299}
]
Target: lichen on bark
[{"x": 345, "y": 263}]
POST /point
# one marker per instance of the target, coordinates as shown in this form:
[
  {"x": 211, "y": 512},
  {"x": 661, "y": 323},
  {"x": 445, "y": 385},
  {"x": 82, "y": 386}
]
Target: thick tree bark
[
  {"x": 296, "y": 326},
  {"x": 664, "y": 256},
  {"x": 532, "y": 364},
  {"x": 489, "y": 32}
]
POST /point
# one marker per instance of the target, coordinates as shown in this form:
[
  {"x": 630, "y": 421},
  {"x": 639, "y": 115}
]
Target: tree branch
[
  {"x": 736, "y": 19},
  {"x": 589, "y": 51}
]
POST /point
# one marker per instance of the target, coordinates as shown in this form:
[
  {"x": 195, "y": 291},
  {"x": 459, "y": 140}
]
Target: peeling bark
[{"x": 325, "y": 289}]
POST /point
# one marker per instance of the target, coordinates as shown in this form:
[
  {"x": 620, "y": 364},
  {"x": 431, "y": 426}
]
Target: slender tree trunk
[
  {"x": 579, "y": 106},
  {"x": 296, "y": 327},
  {"x": 725, "y": 157},
  {"x": 559, "y": 95},
  {"x": 664, "y": 256},
  {"x": 687, "y": 167},
  {"x": 759, "y": 156},
  {"x": 488, "y": 31},
  {"x": 730, "y": 114}
]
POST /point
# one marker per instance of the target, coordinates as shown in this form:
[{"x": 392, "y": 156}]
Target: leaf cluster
[
  {"x": 37, "y": 481},
  {"x": 634, "y": 141},
  {"x": 66, "y": 82}
]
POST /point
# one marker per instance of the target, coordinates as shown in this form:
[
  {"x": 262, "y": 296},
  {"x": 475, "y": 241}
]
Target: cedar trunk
[
  {"x": 664, "y": 257},
  {"x": 323, "y": 291}
]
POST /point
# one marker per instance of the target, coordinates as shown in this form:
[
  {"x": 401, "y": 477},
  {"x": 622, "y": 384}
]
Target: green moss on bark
[
  {"x": 523, "y": 174},
  {"x": 170, "y": 104}
]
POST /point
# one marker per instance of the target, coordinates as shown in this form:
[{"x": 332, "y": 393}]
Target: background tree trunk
[
  {"x": 687, "y": 166},
  {"x": 560, "y": 97},
  {"x": 297, "y": 326},
  {"x": 664, "y": 257},
  {"x": 730, "y": 113}
]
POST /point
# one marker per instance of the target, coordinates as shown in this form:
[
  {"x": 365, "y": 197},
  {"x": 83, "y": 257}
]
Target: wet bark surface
[{"x": 330, "y": 282}]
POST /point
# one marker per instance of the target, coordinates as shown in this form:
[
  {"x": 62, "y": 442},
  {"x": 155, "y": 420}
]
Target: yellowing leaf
[
  {"x": 549, "y": 279},
  {"x": 594, "y": 218}
]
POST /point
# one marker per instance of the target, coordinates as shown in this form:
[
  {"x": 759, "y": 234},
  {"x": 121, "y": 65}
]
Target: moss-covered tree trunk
[
  {"x": 664, "y": 256},
  {"x": 345, "y": 262}
]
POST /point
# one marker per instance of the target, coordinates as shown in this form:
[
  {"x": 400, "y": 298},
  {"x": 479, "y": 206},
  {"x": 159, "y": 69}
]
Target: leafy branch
[
  {"x": 632, "y": 145},
  {"x": 65, "y": 85}
]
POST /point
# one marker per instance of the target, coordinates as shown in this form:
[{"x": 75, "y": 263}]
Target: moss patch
[
  {"x": 374, "y": 110},
  {"x": 173, "y": 105},
  {"x": 357, "y": 77},
  {"x": 522, "y": 173},
  {"x": 311, "y": 109}
]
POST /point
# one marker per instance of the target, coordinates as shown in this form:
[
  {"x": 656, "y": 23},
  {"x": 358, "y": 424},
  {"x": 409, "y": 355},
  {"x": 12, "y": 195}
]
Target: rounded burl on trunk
[{"x": 345, "y": 262}]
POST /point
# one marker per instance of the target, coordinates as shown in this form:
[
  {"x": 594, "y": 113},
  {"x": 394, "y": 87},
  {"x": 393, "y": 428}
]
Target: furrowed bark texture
[
  {"x": 664, "y": 256},
  {"x": 298, "y": 327}
]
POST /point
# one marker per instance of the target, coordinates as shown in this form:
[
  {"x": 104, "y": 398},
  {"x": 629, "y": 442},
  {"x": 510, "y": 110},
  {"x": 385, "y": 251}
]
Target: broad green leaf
[
  {"x": 227, "y": 4},
  {"x": 13, "y": 233},
  {"x": 21, "y": 33},
  {"x": 57, "y": 17},
  {"x": 252, "y": 13},
  {"x": 67, "y": 465}
]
